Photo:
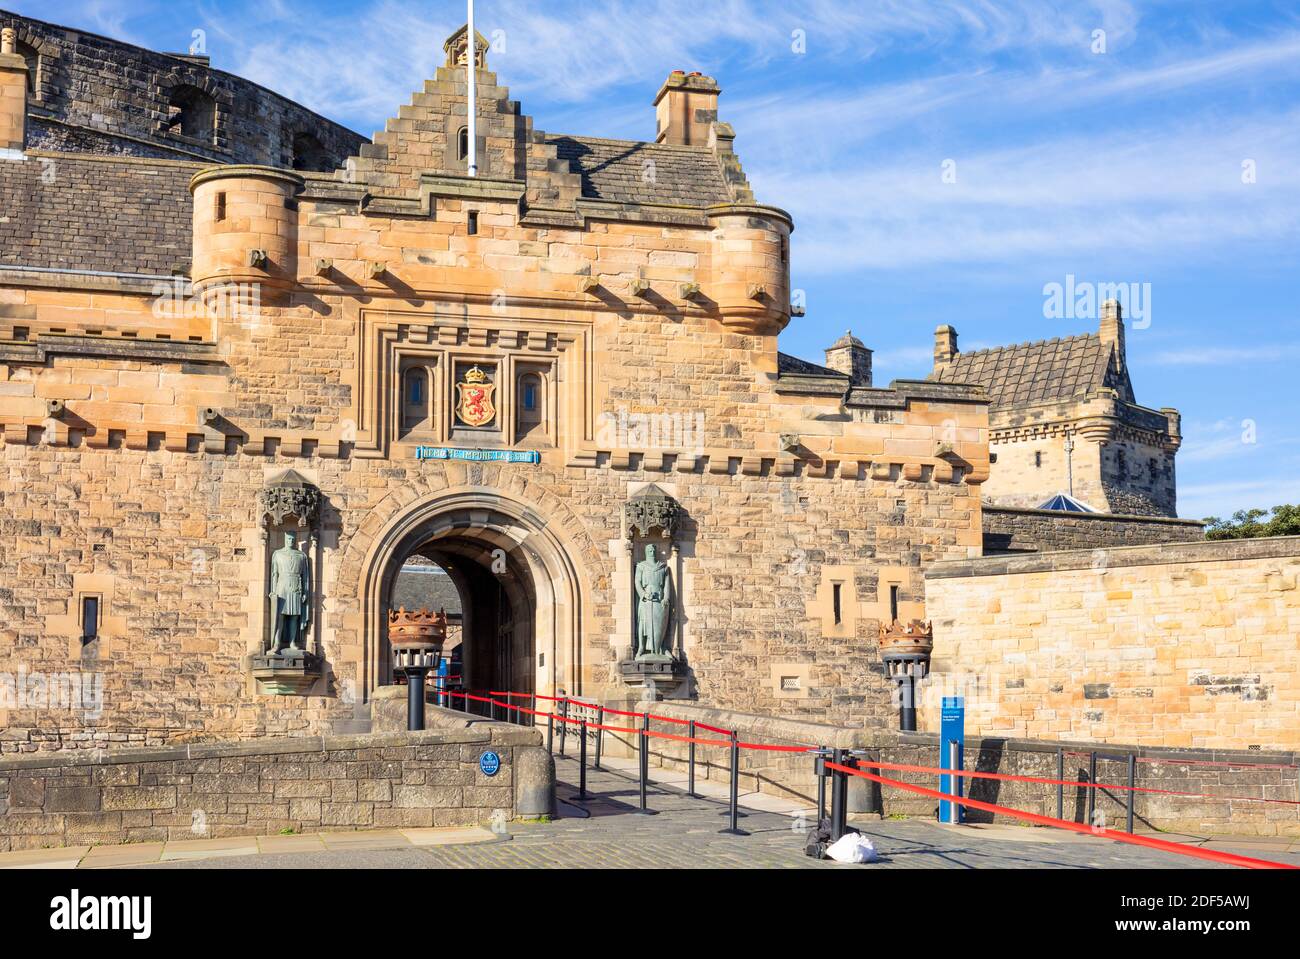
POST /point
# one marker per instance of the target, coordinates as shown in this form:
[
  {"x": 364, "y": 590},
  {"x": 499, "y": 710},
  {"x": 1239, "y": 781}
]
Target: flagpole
[{"x": 471, "y": 106}]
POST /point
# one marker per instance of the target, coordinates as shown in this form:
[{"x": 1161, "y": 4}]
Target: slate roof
[
  {"x": 113, "y": 217},
  {"x": 792, "y": 365},
  {"x": 617, "y": 170},
  {"x": 1056, "y": 369}
]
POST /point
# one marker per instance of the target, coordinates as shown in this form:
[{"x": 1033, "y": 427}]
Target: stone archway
[{"x": 536, "y": 568}]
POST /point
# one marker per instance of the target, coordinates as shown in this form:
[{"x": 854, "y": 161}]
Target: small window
[
  {"x": 33, "y": 61},
  {"x": 89, "y": 619},
  {"x": 1038, "y": 458},
  {"x": 309, "y": 154},
  {"x": 462, "y": 144},
  {"x": 192, "y": 112},
  {"x": 893, "y": 604},
  {"x": 471, "y": 223},
  {"x": 415, "y": 398},
  {"x": 1121, "y": 463},
  {"x": 1153, "y": 468},
  {"x": 219, "y": 208},
  {"x": 835, "y": 600}
]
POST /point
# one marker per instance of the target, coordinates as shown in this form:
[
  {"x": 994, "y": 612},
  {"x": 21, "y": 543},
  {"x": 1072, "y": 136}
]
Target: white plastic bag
[{"x": 852, "y": 847}]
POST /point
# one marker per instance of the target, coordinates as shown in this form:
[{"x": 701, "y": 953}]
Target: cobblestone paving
[{"x": 686, "y": 833}]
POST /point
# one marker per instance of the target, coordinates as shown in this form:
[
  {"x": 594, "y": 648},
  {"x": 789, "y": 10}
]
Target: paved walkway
[{"x": 685, "y": 833}]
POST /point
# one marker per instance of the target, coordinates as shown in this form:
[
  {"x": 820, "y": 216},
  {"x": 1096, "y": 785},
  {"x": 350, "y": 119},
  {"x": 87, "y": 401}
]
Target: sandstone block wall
[
  {"x": 1011, "y": 530},
  {"x": 259, "y": 788},
  {"x": 1177, "y": 645}
]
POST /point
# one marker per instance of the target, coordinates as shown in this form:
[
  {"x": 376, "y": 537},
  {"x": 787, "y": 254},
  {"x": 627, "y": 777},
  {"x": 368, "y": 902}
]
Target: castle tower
[{"x": 851, "y": 357}]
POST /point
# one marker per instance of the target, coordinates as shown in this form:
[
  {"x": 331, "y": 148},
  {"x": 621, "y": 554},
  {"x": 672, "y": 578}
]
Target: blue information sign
[
  {"x": 489, "y": 763},
  {"x": 952, "y": 739}
]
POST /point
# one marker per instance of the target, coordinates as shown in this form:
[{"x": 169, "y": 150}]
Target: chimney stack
[
  {"x": 13, "y": 93},
  {"x": 849, "y": 356},
  {"x": 945, "y": 345},
  {"x": 1112, "y": 330},
  {"x": 685, "y": 109}
]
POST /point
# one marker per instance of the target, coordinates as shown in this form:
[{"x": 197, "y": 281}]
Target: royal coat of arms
[{"x": 474, "y": 399}]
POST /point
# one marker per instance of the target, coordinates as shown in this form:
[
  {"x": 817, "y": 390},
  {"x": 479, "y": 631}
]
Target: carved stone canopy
[
  {"x": 456, "y": 48},
  {"x": 651, "y": 509},
  {"x": 289, "y": 494}
]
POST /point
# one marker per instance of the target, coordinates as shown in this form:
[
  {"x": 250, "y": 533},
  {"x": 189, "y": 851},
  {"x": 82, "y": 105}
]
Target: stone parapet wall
[
  {"x": 1264, "y": 775},
  {"x": 103, "y": 96},
  {"x": 1177, "y": 645},
  {"x": 1013, "y": 530},
  {"x": 267, "y": 786}
]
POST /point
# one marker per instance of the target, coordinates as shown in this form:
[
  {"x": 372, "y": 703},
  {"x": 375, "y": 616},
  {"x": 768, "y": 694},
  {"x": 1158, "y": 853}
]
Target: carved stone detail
[
  {"x": 651, "y": 509},
  {"x": 289, "y": 495}
]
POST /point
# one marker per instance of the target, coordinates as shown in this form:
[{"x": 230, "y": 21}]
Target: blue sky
[{"x": 1114, "y": 165}]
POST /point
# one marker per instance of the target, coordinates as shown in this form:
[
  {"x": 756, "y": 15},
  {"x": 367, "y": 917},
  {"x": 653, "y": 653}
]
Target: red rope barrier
[
  {"x": 1194, "y": 762},
  {"x": 1007, "y": 777},
  {"x": 1148, "y": 841}
]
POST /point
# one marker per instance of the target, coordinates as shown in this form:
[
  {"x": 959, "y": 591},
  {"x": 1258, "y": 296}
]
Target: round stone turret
[
  {"x": 750, "y": 276},
  {"x": 245, "y": 226}
]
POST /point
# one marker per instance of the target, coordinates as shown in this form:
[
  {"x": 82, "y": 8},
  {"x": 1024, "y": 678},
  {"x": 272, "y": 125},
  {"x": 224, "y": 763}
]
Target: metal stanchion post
[
  {"x": 600, "y": 721},
  {"x": 839, "y": 797},
  {"x": 1092, "y": 790},
  {"x": 1132, "y": 793},
  {"x": 564, "y": 723},
  {"x": 819, "y": 767},
  {"x": 532, "y": 709},
  {"x": 644, "y": 755},
  {"x": 550, "y": 732},
  {"x": 1060, "y": 782},
  {"x": 734, "y": 812},
  {"x": 690, "y": 762},
  {"x": 582, "y": 763}
]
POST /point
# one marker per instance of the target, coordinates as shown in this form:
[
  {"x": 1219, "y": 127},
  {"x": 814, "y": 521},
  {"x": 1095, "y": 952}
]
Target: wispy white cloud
[{"x": 1158, "y": 195}]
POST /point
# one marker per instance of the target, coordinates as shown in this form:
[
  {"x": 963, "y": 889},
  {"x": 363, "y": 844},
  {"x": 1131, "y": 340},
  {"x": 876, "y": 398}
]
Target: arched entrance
[{"x": 521, "y": 594}]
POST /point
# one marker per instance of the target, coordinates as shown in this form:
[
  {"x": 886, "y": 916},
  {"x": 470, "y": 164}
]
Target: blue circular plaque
[{"x": 489, "y": 763}]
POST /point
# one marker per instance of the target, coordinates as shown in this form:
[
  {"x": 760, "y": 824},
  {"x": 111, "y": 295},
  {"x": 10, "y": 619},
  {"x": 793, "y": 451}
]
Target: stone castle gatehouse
[{"x": 216, "y": 332}]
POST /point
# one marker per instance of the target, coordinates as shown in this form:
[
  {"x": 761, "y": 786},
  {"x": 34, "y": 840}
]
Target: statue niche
[
  {"x": 290, "y": 513},
  {"x": 655, "y": 661}
]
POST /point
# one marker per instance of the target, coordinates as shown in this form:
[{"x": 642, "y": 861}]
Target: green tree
[{"x": 1250, "y": 523}]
